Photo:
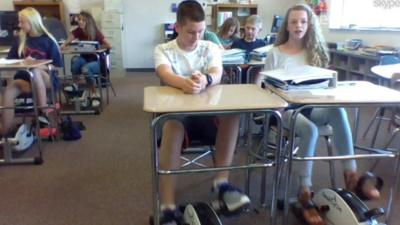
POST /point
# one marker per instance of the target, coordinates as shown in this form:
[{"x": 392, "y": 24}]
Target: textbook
[
  {"x": 303, "y": 77},
  {"x": 260, "y": 54},
  {"x": 233, "y": 56}
]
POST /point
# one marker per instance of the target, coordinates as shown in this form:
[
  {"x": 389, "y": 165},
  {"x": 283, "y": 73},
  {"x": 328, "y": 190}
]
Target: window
[{"x": 365, "y": 14}]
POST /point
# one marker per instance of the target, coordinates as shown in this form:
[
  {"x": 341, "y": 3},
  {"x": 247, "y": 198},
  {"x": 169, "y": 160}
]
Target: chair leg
[
  {"x": 381, "y": 114},
  {"x": 392, "y": 137},
  {"x": 331, "y": 163},
  {"x": 373, "y": 118},
  {"x": 112, "y": 88}
]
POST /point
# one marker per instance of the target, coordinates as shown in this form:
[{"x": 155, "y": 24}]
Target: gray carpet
[{"x": 105, "y": 178}]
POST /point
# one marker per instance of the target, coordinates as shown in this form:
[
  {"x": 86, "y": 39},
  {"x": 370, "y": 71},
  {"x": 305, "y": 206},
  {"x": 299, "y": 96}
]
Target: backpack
[{"x": 70, "y": 130}]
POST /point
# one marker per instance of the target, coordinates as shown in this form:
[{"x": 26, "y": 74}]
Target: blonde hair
[
  {"x": 254, "y": 20},
  {"x": 226, "y": 26},
  {"x": 91, "y": 27},
  {"x": 314, "y": 42},
  {"x": 37, "y": 27}
]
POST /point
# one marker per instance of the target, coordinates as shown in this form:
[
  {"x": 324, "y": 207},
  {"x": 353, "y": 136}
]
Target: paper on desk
[
  {"x": 299, "y": 74},
  {"x": 10, "y": 61},
  {"x": 264, "y": 49}
]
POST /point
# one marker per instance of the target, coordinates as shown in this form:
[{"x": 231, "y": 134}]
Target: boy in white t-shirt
[{"x": 191, "y": 64}]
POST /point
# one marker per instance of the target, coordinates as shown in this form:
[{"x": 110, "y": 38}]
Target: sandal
[
  {"x": 309, "y": 210},
  {"x": 362, "y": 185}
]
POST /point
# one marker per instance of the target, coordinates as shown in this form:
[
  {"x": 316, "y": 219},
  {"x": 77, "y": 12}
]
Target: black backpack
[{"x": 70, "y": 130}]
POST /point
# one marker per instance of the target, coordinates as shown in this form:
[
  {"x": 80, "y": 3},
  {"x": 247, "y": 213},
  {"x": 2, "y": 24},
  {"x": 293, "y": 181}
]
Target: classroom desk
[
  {"x": 385, "y": 74},
  {"x": 237, "y": 69},
  {"x": 216, "y": 100},
  {"x": 23, "y": 65},
  {"x": 101, "y": 55},
  {"x": 346, "y": 94},
  {"x": 386, "y": 71}
]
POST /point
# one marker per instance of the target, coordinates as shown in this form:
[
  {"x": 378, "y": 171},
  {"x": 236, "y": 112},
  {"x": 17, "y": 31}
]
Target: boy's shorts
[
  {"x": 203, "y": 128},
  {"x": 23, "y": 75}
]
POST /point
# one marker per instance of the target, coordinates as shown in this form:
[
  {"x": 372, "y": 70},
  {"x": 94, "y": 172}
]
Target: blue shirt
[
  {"x": 248, "y": 46},
  {"x": 41, "y": 47}
]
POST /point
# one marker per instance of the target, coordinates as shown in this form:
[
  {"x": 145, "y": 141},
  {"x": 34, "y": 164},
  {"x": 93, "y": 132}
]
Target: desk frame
[
  {"x": 374, "y": 153},
  {"x": 8, "y": 158},
  {"x": 100, "y": 54},
  {"x": 223, "y": 106},
  {"x": 155, "y": 123}
]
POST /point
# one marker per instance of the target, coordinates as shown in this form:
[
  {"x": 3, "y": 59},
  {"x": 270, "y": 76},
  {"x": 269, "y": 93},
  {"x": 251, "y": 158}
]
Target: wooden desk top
[
  {"x": 250, "y": 63},
  {"x": 25, "y": 64},
  {"x": 217, "y": 98},
  {"x": 386, "y": 71},
  {"x": 346, "y": 93}
]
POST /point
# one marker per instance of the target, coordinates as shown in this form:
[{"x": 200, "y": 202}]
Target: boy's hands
[
  {"x": 195, "y": 83},
  {"x": 200, "y": 78},
  {"x": 190, "y": 86}
]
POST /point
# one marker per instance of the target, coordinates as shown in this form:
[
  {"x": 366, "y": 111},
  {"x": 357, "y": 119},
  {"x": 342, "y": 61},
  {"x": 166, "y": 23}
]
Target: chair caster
[
  {"x": 38, "y": 160},
  {"x": 151, "y": 220},
  {"x": 280, "y": 204}
]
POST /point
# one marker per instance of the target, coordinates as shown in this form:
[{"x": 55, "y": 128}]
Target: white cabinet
[{"x": 111, "y": 26}]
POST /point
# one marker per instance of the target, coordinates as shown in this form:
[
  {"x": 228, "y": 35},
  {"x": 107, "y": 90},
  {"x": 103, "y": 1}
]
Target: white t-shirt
[
  {"x": 205, "y": 56},
  {"x": 279, "y": 60}
]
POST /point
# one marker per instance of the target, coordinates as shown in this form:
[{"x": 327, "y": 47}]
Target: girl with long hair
[
  {"x": 34, "y": 42},
  {"x": 300, "y": 43},
  {"x": 86, "y": 64}
]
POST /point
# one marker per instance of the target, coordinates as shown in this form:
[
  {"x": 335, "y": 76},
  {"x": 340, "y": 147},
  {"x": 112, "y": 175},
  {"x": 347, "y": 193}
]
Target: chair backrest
[
  {"x": 56, "y": 28},
  {"x": 389, "y": 59}
]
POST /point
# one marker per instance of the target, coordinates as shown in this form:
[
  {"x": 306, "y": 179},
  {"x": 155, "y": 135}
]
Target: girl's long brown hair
[
  {"x": 91, "y": 27},
  {"x": 228, "y": 23},
  {"x": 314, "y": 42}
]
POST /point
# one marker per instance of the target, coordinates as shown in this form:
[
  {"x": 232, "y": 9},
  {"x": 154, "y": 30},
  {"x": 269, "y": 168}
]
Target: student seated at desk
[
  {"x": 229, "y": 32},
  {"x": 87, "y": 64},
  {"x": 250, "y": 41},
  {"x": 34, "y": 42},
  {"x": 191, "y": 64},
  {"x": 300, "y": 42}
]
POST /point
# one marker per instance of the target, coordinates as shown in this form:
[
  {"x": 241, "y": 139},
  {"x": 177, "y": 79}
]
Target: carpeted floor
[{"x": 105, "y": 178}]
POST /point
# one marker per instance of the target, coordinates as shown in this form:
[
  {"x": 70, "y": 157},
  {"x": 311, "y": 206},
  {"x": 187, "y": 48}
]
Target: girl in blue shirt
[{"x": 34, "y": 43}]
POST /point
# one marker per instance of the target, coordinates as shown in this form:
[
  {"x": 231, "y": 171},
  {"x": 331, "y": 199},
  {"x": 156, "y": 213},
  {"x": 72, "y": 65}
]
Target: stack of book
[
  {"x": 260, "y": 54},
  {"x": 234, "y": 56},
  {"x": 303, "y": 77}
]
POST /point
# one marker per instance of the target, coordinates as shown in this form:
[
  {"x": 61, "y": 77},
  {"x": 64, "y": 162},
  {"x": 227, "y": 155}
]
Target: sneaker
[
  {"x": 170, "y": 217},
  {"x": 95, "y": 102},
  {"x": 43, "y": 120},
  {"x": 71, "y": 88},
  {"x": 231, "y": 200},
  {"x": 85, "y": 99}
]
